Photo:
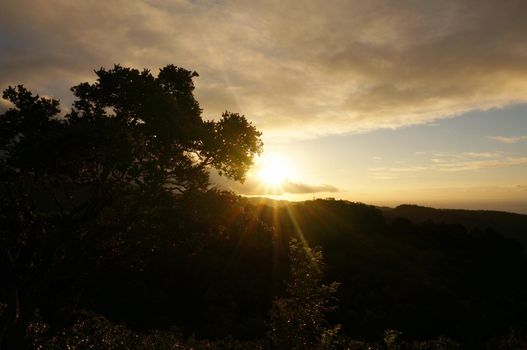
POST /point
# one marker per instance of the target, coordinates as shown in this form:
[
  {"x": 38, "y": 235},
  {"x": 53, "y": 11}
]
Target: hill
[
  {"x": 510, "y": 225},
  {"x": 425, "y": 279}
]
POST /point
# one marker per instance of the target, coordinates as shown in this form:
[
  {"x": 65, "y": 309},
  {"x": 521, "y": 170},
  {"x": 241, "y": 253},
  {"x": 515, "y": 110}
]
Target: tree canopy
[
  {"x": 105, "y": 175},
  {"x": 127, "y": 126}
]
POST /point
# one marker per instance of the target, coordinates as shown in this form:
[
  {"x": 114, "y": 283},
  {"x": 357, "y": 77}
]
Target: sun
[{"x": 273, "y": 170}]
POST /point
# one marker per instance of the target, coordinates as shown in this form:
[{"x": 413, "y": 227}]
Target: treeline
[
  {"x": 510, "y": 225},
  {"x": 424, "y": 280},
  {"x": 210, "y": 266}
]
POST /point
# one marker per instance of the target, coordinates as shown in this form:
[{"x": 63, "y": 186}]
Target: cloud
[
  {"x": 4, "y": 105},
  {"x": 508, "y": 139},
  {"x": 253, "y": 187},
  {"x": 444, "y": 162},
  {"x": 297, "y": 69},
  {"x": 483, "y": 164},
  {"x": 301, "y": 188}
]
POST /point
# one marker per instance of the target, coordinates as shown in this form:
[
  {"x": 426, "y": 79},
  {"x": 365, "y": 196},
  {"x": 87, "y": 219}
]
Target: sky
[{"x": 384, "y": 102}]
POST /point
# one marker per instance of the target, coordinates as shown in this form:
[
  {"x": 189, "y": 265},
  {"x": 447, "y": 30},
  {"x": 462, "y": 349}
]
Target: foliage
[
  {"x": 515, "y": 339},
  {"x": 298, "y": 320},
  {"x": 88, "y": 332},
  {"x": 128, "y": 126},
  {"x": 92, "y": 331},
  {"x": 75, "y": 188},
  {"x": 392, "y": 341}
]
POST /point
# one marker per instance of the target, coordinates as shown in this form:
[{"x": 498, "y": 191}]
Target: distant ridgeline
[{"x": 508, "y": 224}]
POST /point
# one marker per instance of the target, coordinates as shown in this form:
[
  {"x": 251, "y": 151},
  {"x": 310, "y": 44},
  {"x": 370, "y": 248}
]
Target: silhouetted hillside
[
  {"x": 425, "y": 279},
  {"x": 509, "y": 224}
]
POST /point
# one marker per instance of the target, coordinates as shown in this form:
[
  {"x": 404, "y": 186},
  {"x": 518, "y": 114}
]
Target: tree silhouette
[
  {"x": 164, "y": 141},
  {"x": 75, "y": 184},
  {"x": 298, "y": 321}
]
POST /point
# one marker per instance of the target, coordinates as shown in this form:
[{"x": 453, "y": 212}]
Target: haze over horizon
[{"x": 385, "y": 103}]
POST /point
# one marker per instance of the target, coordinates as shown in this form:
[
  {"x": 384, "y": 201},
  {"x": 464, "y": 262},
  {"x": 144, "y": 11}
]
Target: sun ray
[{"x": 300, "y": 234}]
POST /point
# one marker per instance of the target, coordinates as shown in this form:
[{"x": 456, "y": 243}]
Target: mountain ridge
[{"x": 511, "y": 225}]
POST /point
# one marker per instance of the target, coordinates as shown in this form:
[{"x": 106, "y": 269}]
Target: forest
[{"x": 113, "y": 237}]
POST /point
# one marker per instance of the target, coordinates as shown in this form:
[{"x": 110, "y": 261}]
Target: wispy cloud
[
  {"x": 456, "y": 162},
  {"x": 298, "y": 69},
  {"x": 508, "y": 139},
  {"x": 482, "y": 164}
]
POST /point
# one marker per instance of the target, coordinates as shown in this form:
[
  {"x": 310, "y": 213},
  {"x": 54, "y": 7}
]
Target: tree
[
  {"x": 132, "y": 143},
  {"x": 167, "y": 140},
  {"x": 298, "y": 321}
]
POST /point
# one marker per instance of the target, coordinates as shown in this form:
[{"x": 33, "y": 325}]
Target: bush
[{"x": 298, "y": 320}]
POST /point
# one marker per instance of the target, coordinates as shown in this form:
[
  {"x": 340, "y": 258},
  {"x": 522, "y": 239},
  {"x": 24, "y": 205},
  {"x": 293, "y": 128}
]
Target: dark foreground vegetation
[{"x": 111, "y": 238}]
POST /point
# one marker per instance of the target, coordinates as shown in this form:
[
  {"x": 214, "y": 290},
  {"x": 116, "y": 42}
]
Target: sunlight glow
[{"x": 273, "y": 170}]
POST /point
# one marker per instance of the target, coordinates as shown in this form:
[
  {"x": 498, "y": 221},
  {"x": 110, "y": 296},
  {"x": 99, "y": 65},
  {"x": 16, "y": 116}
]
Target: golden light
[{"x": 273, "y": 170}]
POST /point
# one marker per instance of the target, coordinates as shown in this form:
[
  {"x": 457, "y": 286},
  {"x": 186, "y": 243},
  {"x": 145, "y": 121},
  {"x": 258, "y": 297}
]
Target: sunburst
[{"x": 273, "y": 170}]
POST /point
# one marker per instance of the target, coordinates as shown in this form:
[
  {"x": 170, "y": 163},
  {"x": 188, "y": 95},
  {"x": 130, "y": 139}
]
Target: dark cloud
[
  {"x": 297, "y": 69},
  {"x": 254, "y": 187},
  {"x": 301, "y": 188}
]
